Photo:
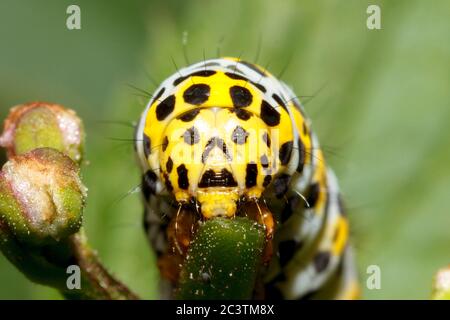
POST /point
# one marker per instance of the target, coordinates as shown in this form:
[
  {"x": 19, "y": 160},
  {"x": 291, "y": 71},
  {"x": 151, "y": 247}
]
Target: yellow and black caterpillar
[{"x": 222, "y": 135}]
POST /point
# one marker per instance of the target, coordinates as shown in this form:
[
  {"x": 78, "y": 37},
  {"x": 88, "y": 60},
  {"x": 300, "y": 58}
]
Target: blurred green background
[{"x": 382, "y": 114}]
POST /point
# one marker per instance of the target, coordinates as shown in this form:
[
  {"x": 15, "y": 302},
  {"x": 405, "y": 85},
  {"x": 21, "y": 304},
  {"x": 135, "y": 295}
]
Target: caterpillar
[{"x": 222, "y": 136}]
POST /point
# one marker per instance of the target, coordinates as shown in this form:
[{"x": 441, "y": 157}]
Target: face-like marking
[
  {"x": 239, "y": 135},
  {"x": 165, "y": 108},
  {"x": 212, "y": 143},
  {"x": 269, "y": 114},
  {"x": 224, "y": 178},
  {"x": 191, "y": 136},
  {"x": 241, "y": 96},
  {"x": 197, "y": 94}
]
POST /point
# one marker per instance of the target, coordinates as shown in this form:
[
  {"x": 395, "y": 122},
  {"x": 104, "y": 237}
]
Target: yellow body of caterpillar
[{"x": 224, "y": 133}]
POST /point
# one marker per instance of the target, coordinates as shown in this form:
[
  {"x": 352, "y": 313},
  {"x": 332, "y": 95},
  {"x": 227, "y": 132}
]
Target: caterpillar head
[{"x": 215, "y": 136}]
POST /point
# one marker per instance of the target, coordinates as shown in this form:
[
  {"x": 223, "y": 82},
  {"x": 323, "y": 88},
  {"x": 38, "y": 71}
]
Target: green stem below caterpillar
[{"x": 223, "y": 260}]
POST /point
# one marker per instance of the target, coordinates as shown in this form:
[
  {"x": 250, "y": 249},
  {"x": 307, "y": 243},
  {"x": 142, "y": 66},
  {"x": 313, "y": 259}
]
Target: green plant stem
[
  {"x": 98, "y": 279},
  {"x": 47, "y": 265},
  {"x": 223, "y": 260}
]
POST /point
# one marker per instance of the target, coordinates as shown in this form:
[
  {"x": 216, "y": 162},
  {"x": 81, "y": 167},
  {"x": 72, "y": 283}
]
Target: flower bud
[
  {"x": 41, "y": 196},
  {"x": 38, "y": 124}
]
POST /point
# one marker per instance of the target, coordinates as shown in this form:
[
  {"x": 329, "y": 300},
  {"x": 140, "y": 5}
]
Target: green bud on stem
[
  {"x": 38, "y": 124},
  {"x": 42, "y": 200},
  {"x": 41, "y": 196}
]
